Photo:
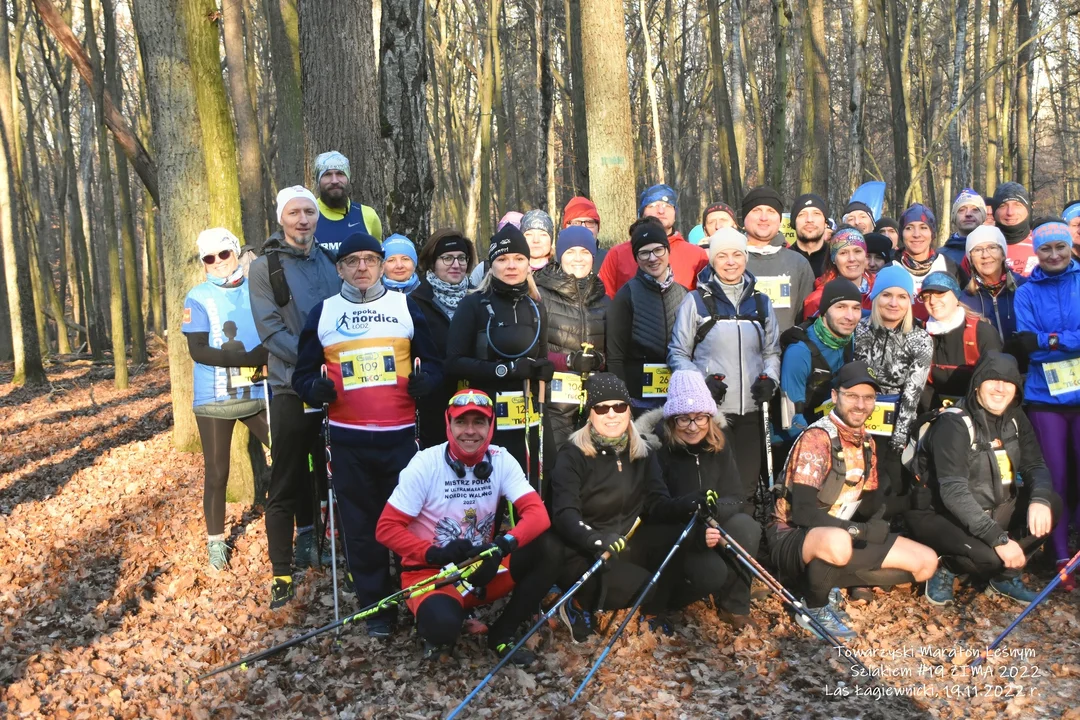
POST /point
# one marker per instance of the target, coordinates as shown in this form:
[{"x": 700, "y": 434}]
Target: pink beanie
[{"x": 687, "y": 393}]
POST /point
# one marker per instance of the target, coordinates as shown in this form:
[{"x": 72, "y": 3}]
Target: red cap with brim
[{"x": 455, "y": 411}]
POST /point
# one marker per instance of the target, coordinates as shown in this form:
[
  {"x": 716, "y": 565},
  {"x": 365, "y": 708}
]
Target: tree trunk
[
  {"x": 288, "y": 106},
  {"x": 575, "y": 61},
  {"x": 993, "y": 129},
  {"x": 738, "y": 83},
  {"x": 336, "y": 120},
  {"x": 546, "y": 145},
  {"x": 487, "y": 94},
  {"x": 1023, "y": 95},
  {"x": 730, "y": 164},
  {"x": 757, "y": 112},
  {"x": 978, "y": 155},
  {"x": 650, "y": 86},
  {"x": 778, "y": 157},
  {"x": 607, "y": 112},
  {"x": 816, "y": 166},
  {"x": 403, "y": 82},
  {"x": 913, "y": 192},
  {"x": 249, "y": 167},
  {"x": 856, "y": 131},
  {"x": 959, "y": 176},
  {"x": 888, "y": 26}
]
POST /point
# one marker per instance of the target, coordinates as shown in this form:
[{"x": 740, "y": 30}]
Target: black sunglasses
[{"x": 223, "y": 255}]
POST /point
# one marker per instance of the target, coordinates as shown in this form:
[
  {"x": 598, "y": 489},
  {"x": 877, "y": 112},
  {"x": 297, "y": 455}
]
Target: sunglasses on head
[
  {"x": 210, "y": 259},
  {"x": 619, "y": 408},
  {"x": 478, "y": 399}
]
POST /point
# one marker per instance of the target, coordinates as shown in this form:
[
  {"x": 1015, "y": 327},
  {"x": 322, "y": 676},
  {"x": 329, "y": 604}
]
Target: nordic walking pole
[
  {"x": 540, "y": 440},
  {"x": 768, "y": 436},
  {"x": 269, "y": 430},
  {"x": 416, "y": 430},
  {"x": 447, "y": 576},
  {"x": 731, "y": 545},
  {"x": 330, "y": 501},
  {"x": 633, "y": 609},
  {"x": 1062, "y": 574},
  {"x": 528, "y": 452},
  {"x": 539, "y": 623}
]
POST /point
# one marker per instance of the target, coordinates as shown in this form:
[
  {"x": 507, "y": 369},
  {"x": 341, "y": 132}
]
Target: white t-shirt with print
[{"x": 446, "y": 507}]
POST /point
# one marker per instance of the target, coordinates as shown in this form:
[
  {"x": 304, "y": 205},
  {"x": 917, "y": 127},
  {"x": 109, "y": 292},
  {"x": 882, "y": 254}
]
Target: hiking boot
[
  {"x": 219, "y": 554},
  {"x": 1069, "y": 583},
  {"x": 656, "y": 623},
  {"x": 436, "y": 653},
  {"x": 836, "y": 602},
  {"x": 1012, "y": 588},
  {"x": 939, "y": 588},
  {"x": 828, "y": 620},
  {"x": 522, "y": 658},
  {"x": 737, "y": 622},
  {"x": 577, "y": 621},
  {"x": 861, "y": 594},
  {"x": 281, "y": 591},
  {"x": 379, "y": 628},
  {"x": 304, "y": 550}
]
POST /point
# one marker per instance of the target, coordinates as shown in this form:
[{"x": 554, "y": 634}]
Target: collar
[
  {"x": 940, "y": 327},
  {"x": 355, "y": 295}
]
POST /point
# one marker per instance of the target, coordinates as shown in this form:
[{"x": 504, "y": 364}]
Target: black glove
[
  {"x": 1027, "y": 341},
  {"x": 578, "y": 361},
  {"x": 520, "y": 369},
  {"x": 876, "y": 531},
  {"x": 322, "y": 392},
  {"x": 452, "y": 552},
  {"x": 543, "y": 369},
  {"x": 421, "y": 384},
  {"x": 487, "y": 570},
  {"x": 610, "y": 542},
  {"x": 717, "y": 387},
  {"x": 687, "y": 505},
  {"x": 762, "y": 390}
]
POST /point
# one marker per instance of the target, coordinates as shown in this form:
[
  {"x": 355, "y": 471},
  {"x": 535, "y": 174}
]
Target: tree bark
[
  {"x": 288, "y": 107},
  {"x": 575, "y": 61},
  {"x": 487, "y": 95},
  {"x": 782, "y": 16},
  {"x": 856, "y": 130},
  {"x": 1023, "y": 95},
  {"x": 816, "y": 159},
  {"x": 978, "y": 154},
  {"x": 607, "y": 111},
  {"x": 738, "y": 83},
  {"x": 650, "y": 86},
  {"x": 730, "y": 164},
  {"x": 960, "y": 177}
]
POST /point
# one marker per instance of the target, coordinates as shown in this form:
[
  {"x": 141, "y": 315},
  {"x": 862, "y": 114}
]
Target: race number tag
[
  {"x": 1004, "y": 466},
  {"x": 846, "y": 510},
  {"x": 566, "y": 388},
  {"x": 654, "y": 380},
  {"x": 367, "y": 367},
  {"x": 240, "y": 377},
  {"x": 778, "y": 288},
  {"x": 1063, "y": 376},
  {"x": 882, "y": 419},
  {"x": 510, "y": 411}
]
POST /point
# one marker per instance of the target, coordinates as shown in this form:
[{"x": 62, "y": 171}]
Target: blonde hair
[
  {"x": 582, "y": 440},
  {"x": 713, "y": 441},
  {"x": 906, "y": 325},
  {"x": 485, "y": 285}
]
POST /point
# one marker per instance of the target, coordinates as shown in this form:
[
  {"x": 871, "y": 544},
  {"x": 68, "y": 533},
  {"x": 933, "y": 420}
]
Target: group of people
[{"x": 537, "y": 402}]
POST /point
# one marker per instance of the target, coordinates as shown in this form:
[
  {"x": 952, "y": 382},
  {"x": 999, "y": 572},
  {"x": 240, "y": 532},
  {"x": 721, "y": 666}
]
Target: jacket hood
[
  {"x": 957, "y": 241},
  {"x": 651, "y": 427},
  {"x": 996, "y": 366},
  {"x": 553, "y": 277},
  {"x": 708, "y": 276},
  {"x": 1037, "y": 275}
]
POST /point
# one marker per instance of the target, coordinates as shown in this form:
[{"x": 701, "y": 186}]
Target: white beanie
[
  {"x": 726, "y": 239},
  {"x": 214, "y": 240},
  {"x": 985, "y": 234},
  {"x": 293, "y": 193},
  {"x": 331, "y": 160}
]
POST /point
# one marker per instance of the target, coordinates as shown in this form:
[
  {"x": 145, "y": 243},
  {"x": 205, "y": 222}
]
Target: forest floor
[{"x": 108, "y": 608}]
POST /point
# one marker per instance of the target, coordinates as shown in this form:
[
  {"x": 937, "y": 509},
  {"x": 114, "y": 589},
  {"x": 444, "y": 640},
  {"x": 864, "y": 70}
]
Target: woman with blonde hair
[{"x": 605, "y": 477}]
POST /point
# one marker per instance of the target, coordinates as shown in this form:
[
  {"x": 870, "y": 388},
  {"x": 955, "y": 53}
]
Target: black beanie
[
  {"x": 838, "y": 290},
  {"x": 1011, "y": 191},
  {"x": 809, "y": 200},
  {"x": 604, "y": 387},
  {"x": 880, "y": 245},
  {"x": 648, "y": 232},
  {"x": 508, "y": 240},
  {"x": 857, "y": 205},
  {"x": 886, "y": 222},
  {"x": 761, "y": 195}
]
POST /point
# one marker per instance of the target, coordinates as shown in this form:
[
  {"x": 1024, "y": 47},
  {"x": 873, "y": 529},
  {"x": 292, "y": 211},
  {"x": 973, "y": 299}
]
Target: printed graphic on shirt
[
  {"x": 471, "y": 527},
  {"x": 225, "y": 315}
]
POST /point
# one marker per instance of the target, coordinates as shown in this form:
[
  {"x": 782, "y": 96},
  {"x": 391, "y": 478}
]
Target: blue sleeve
[
  {"x": 195, "y": 318},
  {"x": 794, "y": 370},
  {"x": 310, "y": 356},
  {"x": 1027, "y": 321}
]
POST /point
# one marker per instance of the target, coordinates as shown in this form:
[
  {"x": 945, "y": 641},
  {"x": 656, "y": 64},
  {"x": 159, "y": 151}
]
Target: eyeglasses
[
  {"x": 988, "y": 250},
  {"x": 211, "y": 259},
  {"x": 618, "y": 407},
  {"x": 657, "y": 252},
  {"x": 857, "y": 398},
  {"x": 353, "y": 260},
  {"x": 461, "y": 259},
  {"x": 683, "y": 422},
  {"x": 473, "y": 398},
  {"x": 590, "y": 223}
]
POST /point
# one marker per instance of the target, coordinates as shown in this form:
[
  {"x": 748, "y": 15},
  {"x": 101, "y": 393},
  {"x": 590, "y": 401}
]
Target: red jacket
[
  {"x": 812, "y": 303},
  {"x": 620, "y": 264}
]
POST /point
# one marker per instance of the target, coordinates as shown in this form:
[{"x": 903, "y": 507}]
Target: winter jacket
[
  {"x": 620, "y": 264},
  {"x": 901, "y": 364},
  {"x": 1048, "y": 304},
  {"x": 956, "y": 352},
  {"x": 741, "y": 345},
  {"x": 998, "y": 310},
  {"x": 955, "y": 248},
  {"x": 639, "y": 324},
  {"x": 805, "y": 381},
  {"x": 816, "y": 258},
  {"x": 965, "y": 479},
  {"x": 812, "y": 304},
  {"x": 784, "y": 275},
  {"x": 433, "y": 407},
  {"x": 311, "y": 279}
]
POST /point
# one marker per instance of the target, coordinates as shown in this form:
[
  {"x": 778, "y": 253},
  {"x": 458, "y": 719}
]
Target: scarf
[
  {"x": 446, "y": 294},
  {"x": 616, "y": 445},
  {"x": 355, "y": 295},
  {"x": 830, "y": 339},
  {"x": 940, "y": 327},
  {"x": 512, "y": 292},
  {"x": 1015, "y": 233},
  {"x": 665, "y": 283},
  {"x": 995, "y": 288},
  {"x": 402, "y": 286},
  {"x": 235, "y": 279},
  {"x": 918, "y": 268},
  {"x": 538, "y": 265}
]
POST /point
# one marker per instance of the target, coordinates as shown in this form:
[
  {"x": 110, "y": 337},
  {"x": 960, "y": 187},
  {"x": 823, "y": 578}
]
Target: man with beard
[
  {"x": 968, "y": 213},
  {"x": 340, "y": 217},
  {"x": 781, "y": 273},
  {"x": 1012, "y": 212},
  {"x": 809, "y": 218},
  {"x": 859, "y": 216}
]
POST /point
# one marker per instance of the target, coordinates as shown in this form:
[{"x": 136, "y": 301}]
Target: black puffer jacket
[
  {"x": 576, "y": 309},
  {"x": 433, "y": 407}
]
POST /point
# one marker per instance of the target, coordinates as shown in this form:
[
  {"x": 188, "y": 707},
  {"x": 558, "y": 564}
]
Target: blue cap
[
  {"x": 359, "y": 242},
  {"x": 941, "y": 282},
  {"x": 893, "y": 276},
  {"x": 697, "y": 236},
  {"x": 399, "y": 245},
  {"x": 574, "y": 236},
  {"x": 1071, "y": 210},
  {"x": 657, "y": 193}
]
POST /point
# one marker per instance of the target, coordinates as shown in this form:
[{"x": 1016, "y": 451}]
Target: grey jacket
[
  {"x": 311, "y": 279},
  {"x": 774, "y": 260},
  {"x": 740, "y": 350}
]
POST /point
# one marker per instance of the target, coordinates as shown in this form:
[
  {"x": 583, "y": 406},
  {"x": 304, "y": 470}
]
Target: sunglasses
[
  {"x": 211, "y": 259},
  {"x": 472, "y": 398},
  {"x": 619, "y": 408}
]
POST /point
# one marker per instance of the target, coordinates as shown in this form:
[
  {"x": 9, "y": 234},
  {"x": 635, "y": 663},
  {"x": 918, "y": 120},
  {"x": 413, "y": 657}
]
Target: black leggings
[
  {"x": 743, "y": 434},
  {"x": 716, "y": 571},
  {"x": 216, "y": 435},
  {"x": 533, "y": 568}
]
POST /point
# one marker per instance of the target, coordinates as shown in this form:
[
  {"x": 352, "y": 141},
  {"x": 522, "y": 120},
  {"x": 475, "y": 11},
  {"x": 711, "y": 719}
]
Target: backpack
[
  {"x": 914, "y": 456},
  {"x": 971, "y": 346},
  {"x": 280, "y": 286},
  {"x": 705, "y": 300},
  {"x": 820, "y": 373}
]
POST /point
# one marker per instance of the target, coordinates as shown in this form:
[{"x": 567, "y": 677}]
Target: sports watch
[{"x": 502, "y": 369}]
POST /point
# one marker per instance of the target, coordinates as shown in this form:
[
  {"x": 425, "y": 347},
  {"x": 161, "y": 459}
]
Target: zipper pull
[{"x": 618, "y": 461}]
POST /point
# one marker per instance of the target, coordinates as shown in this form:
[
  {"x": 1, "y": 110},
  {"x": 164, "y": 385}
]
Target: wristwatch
[
  {"x": 502, "y": 369},
  {"x": 853, "y": 531},
  {"x": 1003, "y": 539},
  {"x": 1053, "y": 341}
]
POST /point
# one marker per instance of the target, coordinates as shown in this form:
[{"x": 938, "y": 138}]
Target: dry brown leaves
[{"x": 108, "y": 610}]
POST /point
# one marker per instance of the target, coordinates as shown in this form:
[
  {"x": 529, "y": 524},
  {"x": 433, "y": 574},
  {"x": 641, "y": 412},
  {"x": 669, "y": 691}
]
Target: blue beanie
[
  {"x": 575, "y": 236},
  {"x": 657, "y": 193},
  {"x": 697, "y": 236},
  {"x": 399, "y": 245},
  {"x": 359, "y": 242},
  {"x": 893, "y": 276},
  {"x": 1050, "y": 232}
]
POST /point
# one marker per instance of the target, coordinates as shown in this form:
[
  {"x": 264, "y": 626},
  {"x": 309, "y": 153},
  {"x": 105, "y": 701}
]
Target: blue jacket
[
  {"x": 955, "y": 248},
  {"x": 1050, "y": 304},
  {"x": 999, "y": 311},
  {"x": 795, "y": 369}
]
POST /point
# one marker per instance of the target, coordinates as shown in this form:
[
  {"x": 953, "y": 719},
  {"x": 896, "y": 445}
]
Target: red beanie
[{"x": 579, "y": 207}]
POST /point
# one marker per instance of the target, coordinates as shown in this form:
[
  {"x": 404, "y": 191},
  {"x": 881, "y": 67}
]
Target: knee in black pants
[{"x": 439, "y": 618}]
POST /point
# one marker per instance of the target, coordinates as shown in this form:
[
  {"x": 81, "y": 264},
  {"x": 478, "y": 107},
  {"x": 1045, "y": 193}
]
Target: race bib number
[
  {"x": 1062, "y": 377},
  {"x": 654, "y": 380},
  {"x": 510, "y": 411},
  {"x": 847, "y": 510},
  {"x": 882, "y": 419},
  {"x": 367, "y": 367},
  {"x": 778, "y": 288},
  {"x": 566, "y": 388},
  {"x": 1004, "y": 466},
  {"x": 240, "y": 377}
]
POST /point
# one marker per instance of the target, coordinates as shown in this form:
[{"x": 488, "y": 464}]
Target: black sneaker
[
  {"x": 304, "y": 550},
  {"x": 436, "y": 653},
  {"x": 379, "y": 628},
  {"x": 577, "y": 621},
  {"x": 281, "y": 591},
  {"x": 522, "y": 658}
]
